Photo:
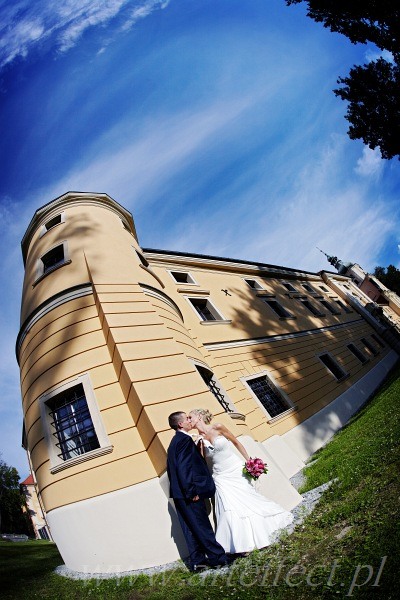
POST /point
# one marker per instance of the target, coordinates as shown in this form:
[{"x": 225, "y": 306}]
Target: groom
[{"x": 190, "y": 483}]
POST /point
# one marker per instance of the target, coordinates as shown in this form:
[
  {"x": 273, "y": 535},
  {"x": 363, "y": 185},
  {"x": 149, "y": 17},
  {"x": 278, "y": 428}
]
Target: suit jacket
[{"x": 187, "y": 470}]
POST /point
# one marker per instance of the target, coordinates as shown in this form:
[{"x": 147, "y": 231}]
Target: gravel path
[{"x": 300, "y": 512}]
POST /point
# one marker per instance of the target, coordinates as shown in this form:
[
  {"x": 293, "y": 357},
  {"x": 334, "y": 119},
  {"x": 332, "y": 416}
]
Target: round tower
[{"x": 97, "y": 361}]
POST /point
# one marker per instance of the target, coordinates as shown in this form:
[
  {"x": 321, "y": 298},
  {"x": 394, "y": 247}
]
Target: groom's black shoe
[{"x": 199, "y": 568}]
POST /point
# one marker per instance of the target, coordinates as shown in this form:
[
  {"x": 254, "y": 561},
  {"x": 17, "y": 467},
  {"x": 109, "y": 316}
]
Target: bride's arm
[{"x": 229, "y": 436}]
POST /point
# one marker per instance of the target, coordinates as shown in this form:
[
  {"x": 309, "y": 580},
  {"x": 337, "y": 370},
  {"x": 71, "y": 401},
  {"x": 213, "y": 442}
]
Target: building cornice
[
  {"x": 277, "y": 338},
  {"x": 230, "y": 264},
  {"x": 48, "y": 305},
  {"x": 72, "y": 199}
]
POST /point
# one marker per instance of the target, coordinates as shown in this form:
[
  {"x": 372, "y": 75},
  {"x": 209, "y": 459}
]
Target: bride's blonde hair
[{"x": 204, "y": 414}]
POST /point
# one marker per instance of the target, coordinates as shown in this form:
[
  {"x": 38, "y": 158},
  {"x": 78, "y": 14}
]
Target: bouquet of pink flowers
[{"x": 254, "y": 467}]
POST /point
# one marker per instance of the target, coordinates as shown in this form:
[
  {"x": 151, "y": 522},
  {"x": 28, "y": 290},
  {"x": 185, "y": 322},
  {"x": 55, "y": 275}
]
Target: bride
[{"x": 245, "y": 519}]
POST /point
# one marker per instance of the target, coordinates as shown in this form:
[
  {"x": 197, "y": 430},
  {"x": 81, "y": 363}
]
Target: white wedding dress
[{"x": 245, "y": 519}]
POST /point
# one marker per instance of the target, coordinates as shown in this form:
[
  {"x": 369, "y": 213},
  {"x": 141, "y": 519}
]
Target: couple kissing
[{"x": 245, "y": 519}]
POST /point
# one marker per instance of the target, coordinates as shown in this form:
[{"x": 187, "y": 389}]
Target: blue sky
[{"x": 212, "y": 121}]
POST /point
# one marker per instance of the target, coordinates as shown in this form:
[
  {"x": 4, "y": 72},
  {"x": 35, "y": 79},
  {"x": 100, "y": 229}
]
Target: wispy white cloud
[
  {"x": 372, "y": 55},
  {"x": 370, "y": 164},
  {"x": 27, "y": 24}
]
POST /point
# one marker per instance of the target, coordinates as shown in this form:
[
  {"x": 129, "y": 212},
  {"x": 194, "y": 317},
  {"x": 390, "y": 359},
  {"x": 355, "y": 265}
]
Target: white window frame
[
  {"x": 56, "y": 462},
  {"x": 40, "y": 264},
  {"x": 291, "y": 406},
  {"x": 257, "y": 287},
  {"x": 44, "y": 230},
  {"x": 188, "y": 273},
  {"x": 338, "y": 379},
  {"x": 213, "y": 309}
]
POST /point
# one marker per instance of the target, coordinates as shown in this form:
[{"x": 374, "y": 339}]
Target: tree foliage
[
  {"x": 372, "y": 90},
  {"x": 12, "y": 519},
  {"x": 389, "y": 276}
]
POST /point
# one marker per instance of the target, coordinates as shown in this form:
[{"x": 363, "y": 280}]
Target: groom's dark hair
[{"x": 174, "y": 418}]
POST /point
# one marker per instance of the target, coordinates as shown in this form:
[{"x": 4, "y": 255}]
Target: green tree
[
  {"x": 12, "y": 519},
  {"x": 372, "y": 90},
  {"x": 389, "y": 276}
]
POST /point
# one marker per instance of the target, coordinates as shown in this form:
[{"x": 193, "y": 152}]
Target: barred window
[
  {"x": 268, "y": 395},
  {"x": 72, "y": 424},
  {"x": 215, "y": 388}
]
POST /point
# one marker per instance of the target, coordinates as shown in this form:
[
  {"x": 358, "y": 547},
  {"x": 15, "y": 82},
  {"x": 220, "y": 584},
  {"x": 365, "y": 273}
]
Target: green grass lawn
[{"x": 348, "y": 547}]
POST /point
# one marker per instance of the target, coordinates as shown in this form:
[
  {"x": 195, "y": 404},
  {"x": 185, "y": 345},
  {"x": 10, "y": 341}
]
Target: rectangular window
[
  {"x": 307, "y": 287},
  {"x": 323, "y": 288},
  {"x": 313, "y": 309},
  {"x": 53, "y": 258},
  {"x": 289, "y": 287},
  {"x": 343, "y": 306},
  {"x": 357, "y": 353},
  {"x": 370, "y": 346},
  {"x": 205, "y": 309},
  {"x": 329, "y": 307},
  {"x": 268, "y": 395},
  {"x": 278, "y": 309},
  {"x": 377, "y": 340},
  {"x": 72, "y": 423},
  {"x": 182, "y": 277},
  {"x": 53, "y": 222},
  {"x": 330, "y": 363},
  {"x": 253, "y": 283}
]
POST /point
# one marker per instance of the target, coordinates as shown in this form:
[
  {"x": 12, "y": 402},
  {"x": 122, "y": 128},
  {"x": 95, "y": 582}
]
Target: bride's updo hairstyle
[{"x": 204, "y": 414}]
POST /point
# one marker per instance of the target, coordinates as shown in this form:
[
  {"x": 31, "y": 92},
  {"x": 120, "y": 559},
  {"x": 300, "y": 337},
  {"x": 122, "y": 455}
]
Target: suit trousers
[{"x": 199, "y": 535}]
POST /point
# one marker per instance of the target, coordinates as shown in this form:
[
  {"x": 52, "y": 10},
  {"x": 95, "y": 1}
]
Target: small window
[
  {"x": 307, "y": 287},
  {"x": 278, "y": 309},
  {"x": 53, "y": 258},
  {"x": 215, "y": 388},
  {"x": 53, "y": 222},
  {"x": 377, "y": 340},
  {"x": 289, "y": 287},
  {"x": 329, "y": 307},
  {"x": 142, "y": 259},
  {"x": 126, "y": 226},
  {"x": 323, "y": 288},
  {"x": 343, "y": 306},
  {"x": 253, "y": 283},
  {"x": 72, "y": 423},
  {"x": 330, "y": 363},
  {"x": 205, "y": 309},
  {"x": 182, "y": 277},
  {"x": 268, "y": 395},
  {"x": 313, "y": 309},
  {"x": 370, "y": 346},
  {"x": 357, "y": 353}
]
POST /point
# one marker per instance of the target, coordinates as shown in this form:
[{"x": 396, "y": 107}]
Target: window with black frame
[
  {"x": 267, "y": 394},
  {"x": 72, "y": 423}
]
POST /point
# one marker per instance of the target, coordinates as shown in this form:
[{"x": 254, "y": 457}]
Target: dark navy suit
[{"x": 189, "y": 477}]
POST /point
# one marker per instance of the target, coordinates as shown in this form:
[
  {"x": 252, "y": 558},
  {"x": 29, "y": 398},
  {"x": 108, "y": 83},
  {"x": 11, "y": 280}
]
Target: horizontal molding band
[
  {"x": 150, "y": 291},
  {"x": 278, "y": 338},
  {"x": 77, "y": 291}
]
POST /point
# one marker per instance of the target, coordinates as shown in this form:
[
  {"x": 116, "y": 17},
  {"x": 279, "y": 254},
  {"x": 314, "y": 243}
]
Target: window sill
[
  {"x": 191, "y": 290},
  {"x": 218, "y": 322},
  {"x": 287, "y": 412},
  {"x": 71, "y": 462},
  {"x": 41, "y": 277},
  {"x": 237, "y": 416},
  {"x": 343, "y": 378},
  {"x": 287, "y": 318}
]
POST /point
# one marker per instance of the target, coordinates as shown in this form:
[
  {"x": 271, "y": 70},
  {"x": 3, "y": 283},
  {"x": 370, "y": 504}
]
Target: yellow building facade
[{"x": 114, "y": 338}]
